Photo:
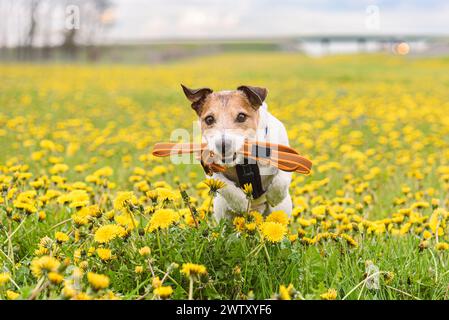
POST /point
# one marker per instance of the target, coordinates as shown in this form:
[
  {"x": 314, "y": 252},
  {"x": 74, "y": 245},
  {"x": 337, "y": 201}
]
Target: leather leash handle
[
  {"x": 284, "y": 161},
  {"x": 166, "y": 149},
  {"x": 283, "y": 157}
]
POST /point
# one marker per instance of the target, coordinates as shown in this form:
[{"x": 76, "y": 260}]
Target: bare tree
[
  {"x": 34, "y": 26},
  {"x": 5, "y": 7},
  {"x": 33, "y": 7},
  {"x": 93, "y": 19}
]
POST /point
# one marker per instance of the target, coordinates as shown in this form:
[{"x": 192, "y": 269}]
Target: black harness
[{"x": 249, "y": 171}]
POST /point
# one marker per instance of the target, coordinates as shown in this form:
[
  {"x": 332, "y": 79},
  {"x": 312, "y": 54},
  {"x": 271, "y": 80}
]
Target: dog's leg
[
  {"x": 233, "y": 196},
  {"x": 285, "y": 205},
  {"x": 221, "y": 208},
  {"x": 277, "y": 191}
]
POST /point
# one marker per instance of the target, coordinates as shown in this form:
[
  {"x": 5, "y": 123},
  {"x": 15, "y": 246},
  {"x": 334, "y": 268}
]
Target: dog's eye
[
  {"x": 241, "y": 117},
  {"x": 209, "y": 120}
]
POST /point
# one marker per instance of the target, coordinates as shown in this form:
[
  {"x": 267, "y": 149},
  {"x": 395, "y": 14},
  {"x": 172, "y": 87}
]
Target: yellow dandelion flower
[
  {"x": 330, "y": 294},
  {"x": 27, "y": 207},
  {"x": 80, "y": 220},
  {"x": 248, "y": 190},
  {"x": 109, "y": 295},
  {"x": 156, "y": 282},
  {"x": 4, "y": 278},
  {"x": 301, "y": 232},
  {"x": 162, "y": 219},
  {"x": 104, "y": 172},
  {"x": 90, "y": 211},
  {"x": 61, "y": 237},
  {"x": 420, "y": 205},
  {"x": 152, "y": 195},
  {"x": 44, "y": 264},
  {"x": 427, "y": 234},
  {"x": 41, "y": 251},
  {"x": 11, "y": 295},
  {"x": 273, "y": 231},
  {"x": 349, "y": 240},
  {"x": 165, "y": 194},
  {"x": 251, "y": 226},
  {"x": 138, "y": 269},
  {"x": 82, "y": 296},
  {"x": 189, "y": 269},
  {"x": 158, "y": 170},
  {"x": 104, "y": 254},
  {"x": 285, "y": 293},
  {"x": 256, "y": 217},
  {"x": 423, "y": 245},
  {"x": 309, "y": 241},
  {"x": 145, "y": 251},
  {"x": 109, "y": 232},
  {"x": 319, "y": 210},
  {"x": 68, "y": 291},
  {"x": 98, "y": 281},
  {"x": 278, "y": 216},
  {"x": 59, "y": 168},
  {"x": 55, "y": 277},
  {"x": 435, "y": 202},
  {"x": 214, "y": 185},
  {"x": 306, "y": 222},
  {"x": 368, "y": 199},
  {"x": 42, "y": 215},
  {"x": 239, "y": 223},
  {"x": 442, "y": 246},
  {"x": 78, "y": 198},
  {"x": 163, "y": 292},
  {"x": 124, "y": 199}
]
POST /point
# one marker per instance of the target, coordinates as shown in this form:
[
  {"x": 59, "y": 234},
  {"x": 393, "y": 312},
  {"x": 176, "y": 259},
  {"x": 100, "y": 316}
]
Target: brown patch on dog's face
[
  {"x": 230, "y": 111},
  {"x": 227, "y": 118}
]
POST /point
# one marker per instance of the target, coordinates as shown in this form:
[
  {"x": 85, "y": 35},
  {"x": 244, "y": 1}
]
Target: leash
[{"x": 282, "y": 157}]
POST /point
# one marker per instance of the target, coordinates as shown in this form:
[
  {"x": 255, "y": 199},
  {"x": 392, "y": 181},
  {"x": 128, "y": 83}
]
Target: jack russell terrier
[{"x": 227, "y": 119}]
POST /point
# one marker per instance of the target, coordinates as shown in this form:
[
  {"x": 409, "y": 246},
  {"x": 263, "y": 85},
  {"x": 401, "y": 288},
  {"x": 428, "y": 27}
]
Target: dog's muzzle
[{"x": 225, "y": 147}]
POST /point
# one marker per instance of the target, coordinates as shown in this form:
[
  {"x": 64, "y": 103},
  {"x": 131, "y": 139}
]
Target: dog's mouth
[{"x": 227, "y": 159}]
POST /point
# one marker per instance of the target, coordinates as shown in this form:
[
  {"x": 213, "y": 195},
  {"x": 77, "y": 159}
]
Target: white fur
[{"x": 276, "y": 182}]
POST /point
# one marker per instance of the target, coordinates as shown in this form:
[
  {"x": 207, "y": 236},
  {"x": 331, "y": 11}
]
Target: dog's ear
[
  {"x": 196, "y": 96},
  {"x": 255, "y": 95}
]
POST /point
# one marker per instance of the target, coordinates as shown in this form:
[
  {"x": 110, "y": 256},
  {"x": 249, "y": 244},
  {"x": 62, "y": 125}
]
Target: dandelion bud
[
  {"x": 156, "y": 282},
  {"x": 145, "y": 251}
]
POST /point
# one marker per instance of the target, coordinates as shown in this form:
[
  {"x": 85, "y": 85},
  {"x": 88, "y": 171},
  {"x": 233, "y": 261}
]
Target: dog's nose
[{"x": 224, "y": 146}]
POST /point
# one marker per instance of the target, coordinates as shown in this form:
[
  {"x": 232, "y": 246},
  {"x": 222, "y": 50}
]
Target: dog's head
[{"x": 227, "y": 119}]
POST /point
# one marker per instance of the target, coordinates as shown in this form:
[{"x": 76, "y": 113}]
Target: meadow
[{"x": 86, "y": 212}]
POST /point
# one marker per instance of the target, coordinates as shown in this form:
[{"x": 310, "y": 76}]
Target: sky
[
  {"x": 149, "y": 20},
  {"x": 184, "y": 19}
]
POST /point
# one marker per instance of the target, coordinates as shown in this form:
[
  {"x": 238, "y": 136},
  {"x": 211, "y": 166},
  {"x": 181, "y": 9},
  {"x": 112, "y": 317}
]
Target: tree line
[{"x": 33, "y": 29}]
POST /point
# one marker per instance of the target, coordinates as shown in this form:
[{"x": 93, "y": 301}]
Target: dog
[{"x": 228, "y": 118}]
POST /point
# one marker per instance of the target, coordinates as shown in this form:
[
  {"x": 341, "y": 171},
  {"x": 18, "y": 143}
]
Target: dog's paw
[
  {"x": 277, "y": 191},
  {"x": 235, "y": 199}
]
